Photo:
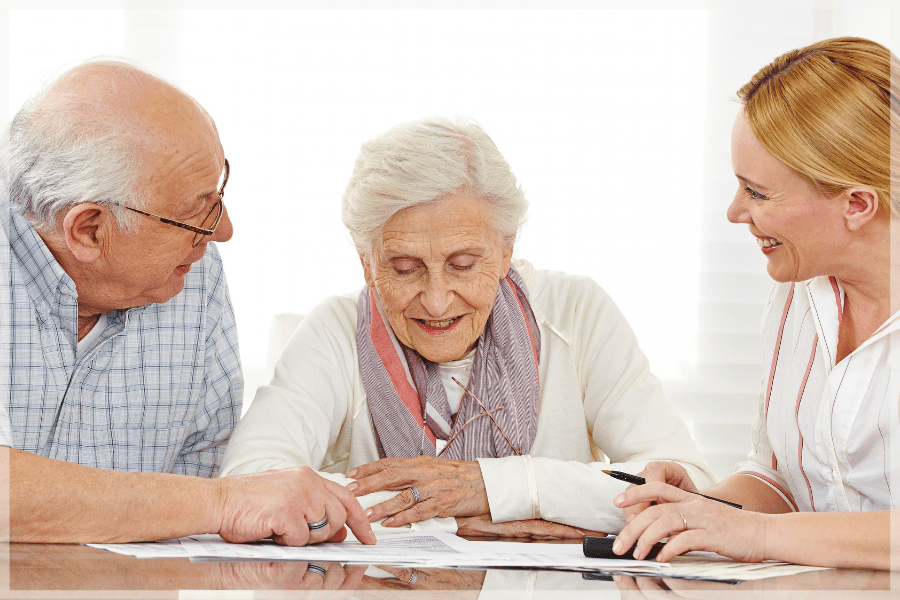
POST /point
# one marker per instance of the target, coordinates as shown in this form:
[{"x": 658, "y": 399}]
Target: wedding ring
[
  {"x": 320, "y": 524},
  {"x": 413, "y": 576},
  {"x": 684, "y": 520},
  {"x": 317, "y": 569},
  {"x": 415, "y": 494}
]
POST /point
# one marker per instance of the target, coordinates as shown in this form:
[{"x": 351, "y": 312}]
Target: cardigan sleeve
[{"x": 627, "y": 414}]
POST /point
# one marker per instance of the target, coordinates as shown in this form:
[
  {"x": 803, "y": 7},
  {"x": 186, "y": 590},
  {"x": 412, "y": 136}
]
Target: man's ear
[
  {"x": 367, "y": 272},
  {"x": 859, "y": 205},
  {"x": 84, "y": 228}
]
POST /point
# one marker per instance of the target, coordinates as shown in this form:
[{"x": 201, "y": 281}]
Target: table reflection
[{"x": 73, "y": 571}]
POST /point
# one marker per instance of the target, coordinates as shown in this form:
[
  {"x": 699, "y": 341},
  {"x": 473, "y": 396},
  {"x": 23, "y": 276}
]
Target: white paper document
[
  {"x": 165, "y": 549},
  {"x": 436, "y": 549},
  {"x": 448, "y": 550}
]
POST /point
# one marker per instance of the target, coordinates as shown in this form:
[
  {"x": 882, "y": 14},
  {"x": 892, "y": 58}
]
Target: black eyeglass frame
[{"x": 200, "y": 232}]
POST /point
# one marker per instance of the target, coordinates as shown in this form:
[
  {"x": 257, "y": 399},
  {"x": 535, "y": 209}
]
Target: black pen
[{"x": 628, "y": 478}]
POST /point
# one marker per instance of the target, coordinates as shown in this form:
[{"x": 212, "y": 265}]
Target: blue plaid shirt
[{"x": 159, "y": 390}]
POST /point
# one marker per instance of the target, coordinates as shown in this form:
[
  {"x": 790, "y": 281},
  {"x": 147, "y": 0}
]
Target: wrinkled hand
[
  {"x": 447, "y": 488},
  {"x": 666, "y": 472},
  {"x": 533, "y": 528},
  {"x": 713, "y": 526},
  {"x": 289, "y": 575},
  {"x": 280, "y": 504},
  {"x": 425, "y": 579}
]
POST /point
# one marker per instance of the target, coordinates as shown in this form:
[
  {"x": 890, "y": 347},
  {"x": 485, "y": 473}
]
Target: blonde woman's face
[
  {"x": 436, "y": 268},
  {"x": 798, "y": 229}
]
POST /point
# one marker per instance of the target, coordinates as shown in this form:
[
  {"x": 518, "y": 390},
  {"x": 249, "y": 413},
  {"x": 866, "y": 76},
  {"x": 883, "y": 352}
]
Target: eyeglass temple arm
[
  {"x": 488, "y": 413},
  {"x": 453, "y": 437}
]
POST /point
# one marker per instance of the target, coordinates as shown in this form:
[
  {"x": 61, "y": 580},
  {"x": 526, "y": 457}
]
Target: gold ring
[{"x": 684, "y": 520}]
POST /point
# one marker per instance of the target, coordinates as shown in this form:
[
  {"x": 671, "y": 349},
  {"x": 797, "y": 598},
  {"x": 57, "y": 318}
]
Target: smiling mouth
[
  {"x": 439, "y": 324},
  {"x": 767, "y": 242}
]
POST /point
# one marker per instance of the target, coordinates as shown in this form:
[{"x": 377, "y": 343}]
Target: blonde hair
[{"x": 829, "y": 111}]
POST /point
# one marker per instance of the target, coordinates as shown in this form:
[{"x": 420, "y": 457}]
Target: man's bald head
[{"x": 92, "y": 135}]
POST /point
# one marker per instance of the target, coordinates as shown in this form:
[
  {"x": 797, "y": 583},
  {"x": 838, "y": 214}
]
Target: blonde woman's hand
[
  {"x": 691, "y": 522},
  {"x": 668, "y": 472}
]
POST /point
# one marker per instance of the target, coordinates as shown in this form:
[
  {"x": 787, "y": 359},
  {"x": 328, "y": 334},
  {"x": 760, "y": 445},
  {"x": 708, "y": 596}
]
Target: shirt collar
[
  {"x": 826, "y": 298},
  {"x": 44, "y": 278}
]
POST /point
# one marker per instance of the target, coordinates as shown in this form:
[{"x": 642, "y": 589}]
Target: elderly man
[{"x": 120, "y": 377}]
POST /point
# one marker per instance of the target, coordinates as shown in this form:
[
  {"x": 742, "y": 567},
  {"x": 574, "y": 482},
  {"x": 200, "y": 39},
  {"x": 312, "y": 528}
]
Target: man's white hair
[
  {"x": 423, "y": 161},
  {"x": 63, "y": 151}
]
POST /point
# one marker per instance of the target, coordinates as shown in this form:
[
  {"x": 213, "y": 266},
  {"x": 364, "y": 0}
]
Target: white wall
[{"x": 616, "y": 122}]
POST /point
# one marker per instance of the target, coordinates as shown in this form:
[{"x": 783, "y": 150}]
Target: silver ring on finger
[
  {"x": 412, "y": 577},
  {"x": 683, "y": 520},
  {"x": 320, "y": 524},
  {"x": 317, "y": 569},
  {"x": 415, "y": 494}
]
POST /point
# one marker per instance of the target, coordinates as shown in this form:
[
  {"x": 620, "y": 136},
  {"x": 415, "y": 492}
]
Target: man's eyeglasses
[
  {"x": 486, "y": 413},
  {"x": 209, "y": 223}
]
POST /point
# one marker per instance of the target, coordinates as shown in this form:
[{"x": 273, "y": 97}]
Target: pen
[{"x": 628, "y": 478}]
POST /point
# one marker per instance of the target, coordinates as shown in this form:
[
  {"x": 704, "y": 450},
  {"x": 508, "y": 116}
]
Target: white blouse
[{"x": 824, "y": 433}]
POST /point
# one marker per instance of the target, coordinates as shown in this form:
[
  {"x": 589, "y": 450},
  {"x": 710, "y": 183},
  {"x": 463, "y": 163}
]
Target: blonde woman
[{"x": 812, "y": 153}]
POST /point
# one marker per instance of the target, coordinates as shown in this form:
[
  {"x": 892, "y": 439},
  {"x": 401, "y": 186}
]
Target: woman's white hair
[
  {"x": 423, "y": 161},
  {"x": 59, "y": 151}
]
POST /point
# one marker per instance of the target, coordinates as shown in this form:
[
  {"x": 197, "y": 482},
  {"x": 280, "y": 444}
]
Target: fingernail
[
  {"x": 618, "y": 499},
  {"x": 617, "y": 547},
  {"x": 372, "y": 537},
  {"x": 581, "y": 533},
  {"x": 369, "y": 513},
  {"x": 352, "y": 474},
  {"x": 352, "y": 487},
  {"x": 388, "y": 522}
]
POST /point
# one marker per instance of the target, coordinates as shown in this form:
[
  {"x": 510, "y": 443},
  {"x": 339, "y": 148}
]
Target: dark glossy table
[{"x": 72, "y": 571}]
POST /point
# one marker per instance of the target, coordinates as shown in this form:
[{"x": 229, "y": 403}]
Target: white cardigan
[{"x": 598, "y": 398}]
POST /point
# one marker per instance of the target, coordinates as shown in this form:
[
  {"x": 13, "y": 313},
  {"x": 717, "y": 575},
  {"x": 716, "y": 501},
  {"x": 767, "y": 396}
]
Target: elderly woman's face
[
  {"x": 798, "y": 229},
  {"x": 436, "y": 269}
]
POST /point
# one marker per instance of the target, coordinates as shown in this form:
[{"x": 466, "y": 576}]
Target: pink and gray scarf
[{"x": 407, "y": 399}]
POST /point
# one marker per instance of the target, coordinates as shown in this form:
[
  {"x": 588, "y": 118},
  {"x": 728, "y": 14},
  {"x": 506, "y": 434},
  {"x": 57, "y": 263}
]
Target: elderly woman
[
  {"x": 812, "y": 151},
  {"x": 479, "y": 386}
]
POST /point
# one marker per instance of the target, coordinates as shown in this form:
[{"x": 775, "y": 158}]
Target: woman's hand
[
  {"x": 655, "y": 588},
  {"x": 447, "y": 488},
  {"x": 482, "y": 526},
  {"x": 417, "y": 578},
  {"x": 692, "y": 523},
  {"x": 665, "y": 471}
]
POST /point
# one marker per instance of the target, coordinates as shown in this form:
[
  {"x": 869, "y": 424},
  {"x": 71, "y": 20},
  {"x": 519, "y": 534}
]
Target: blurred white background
[{"x": 616, "y": 122}]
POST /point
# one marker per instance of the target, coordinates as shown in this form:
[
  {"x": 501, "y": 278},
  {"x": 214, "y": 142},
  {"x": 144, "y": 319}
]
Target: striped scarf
[{"x": 407, "y": 399}]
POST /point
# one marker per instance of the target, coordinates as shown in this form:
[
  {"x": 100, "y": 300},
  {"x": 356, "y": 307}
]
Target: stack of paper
[{"x": 448, "y": 550}]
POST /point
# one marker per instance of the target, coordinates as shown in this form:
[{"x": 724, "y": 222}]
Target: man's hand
[
  {"x": 281, "y": 505},
  {"x": 289, "y": 575},
  {"x": 447, "y": 488}
]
